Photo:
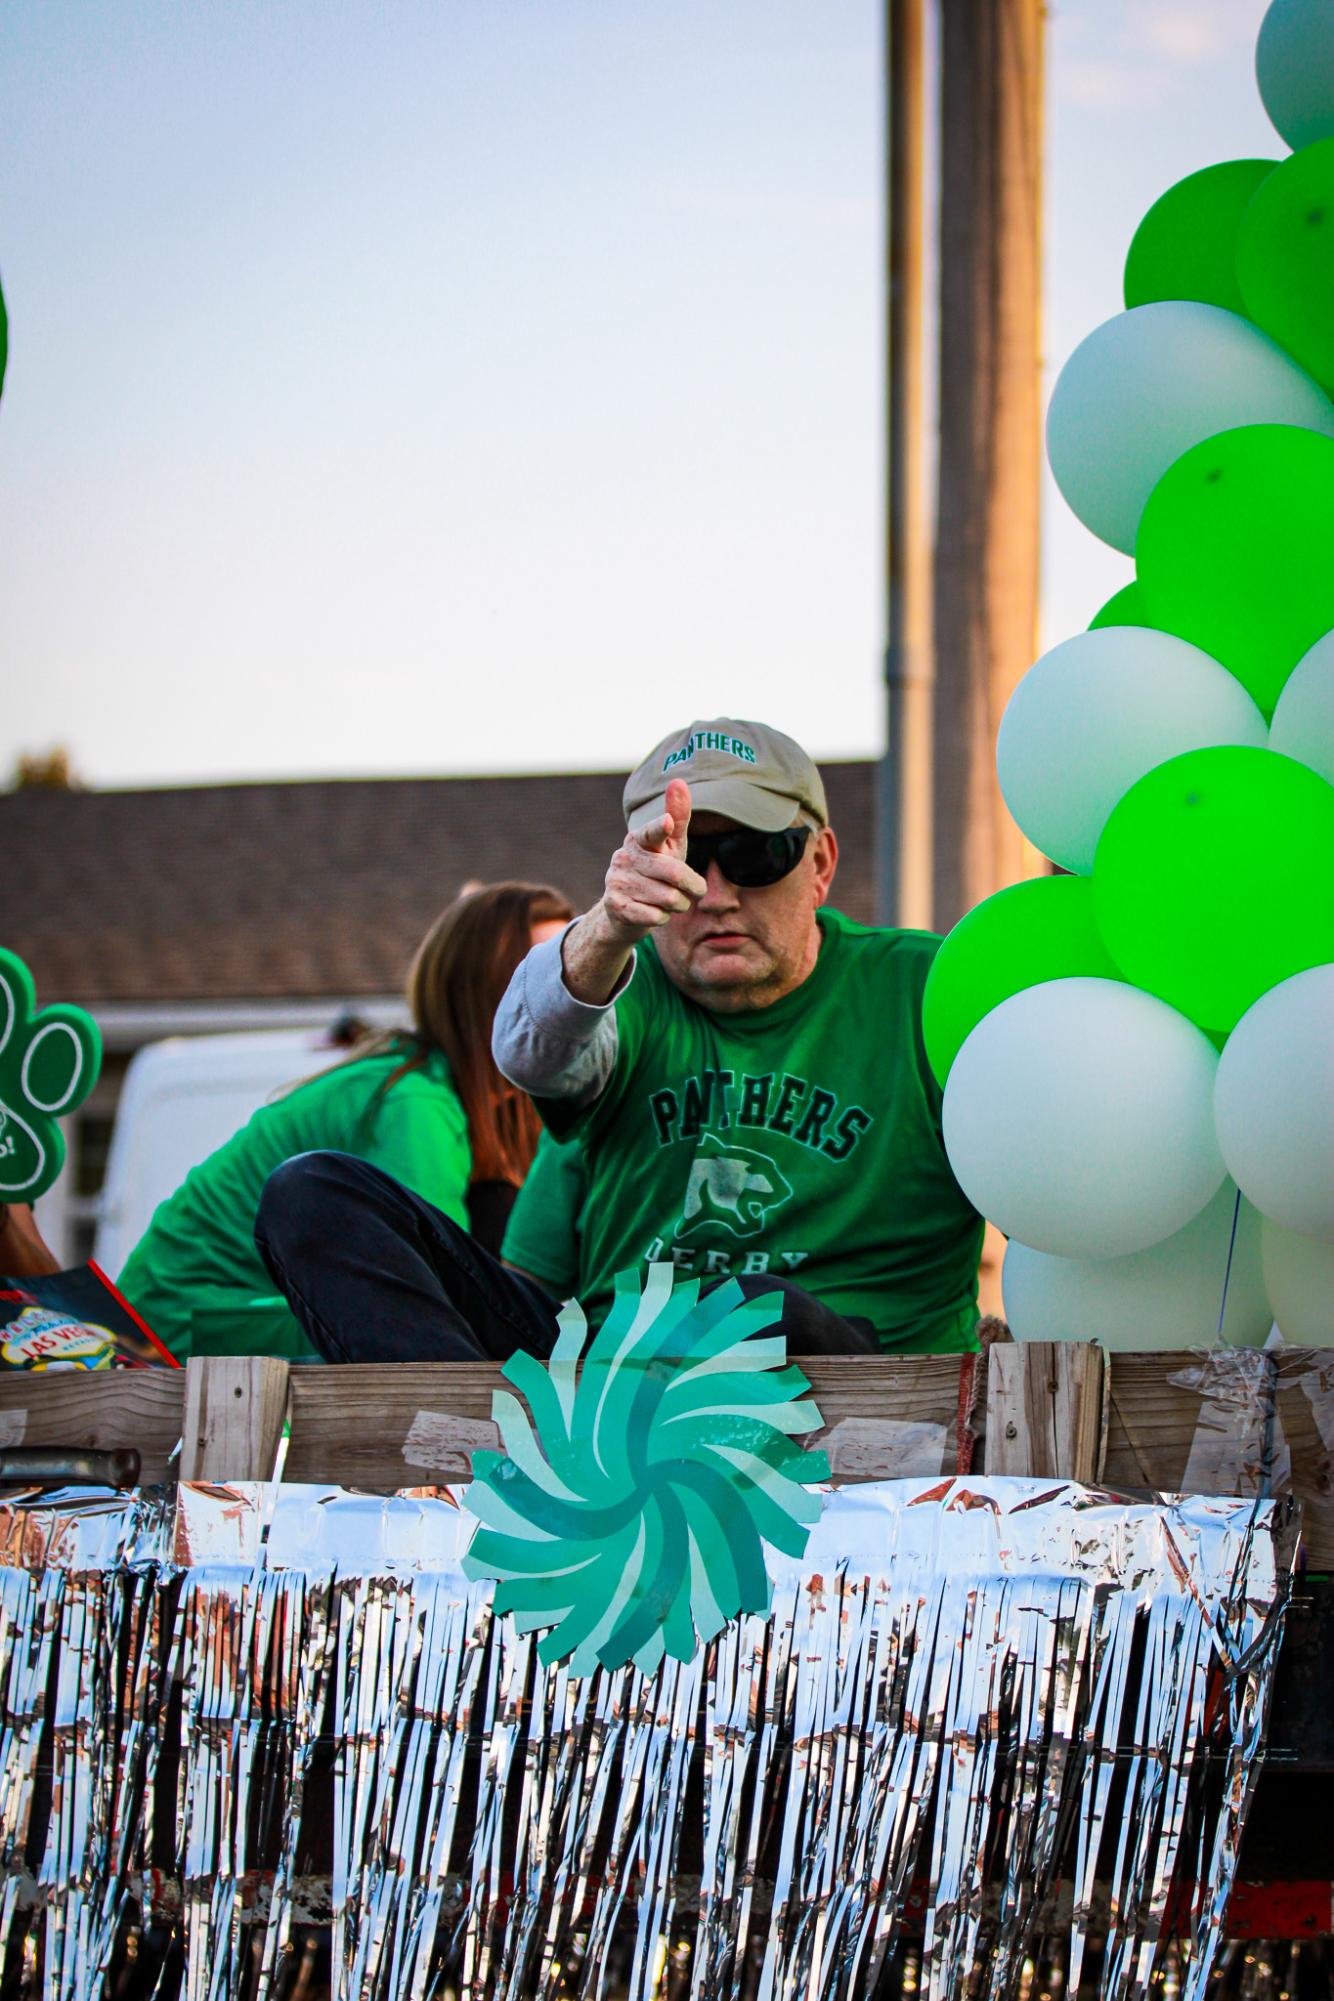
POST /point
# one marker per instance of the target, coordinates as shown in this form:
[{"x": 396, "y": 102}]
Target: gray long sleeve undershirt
[{"x": 547, "y": 1042}]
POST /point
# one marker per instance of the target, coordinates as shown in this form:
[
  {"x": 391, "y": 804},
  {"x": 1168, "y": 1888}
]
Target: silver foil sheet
[{"x": 972, "y": 1699}]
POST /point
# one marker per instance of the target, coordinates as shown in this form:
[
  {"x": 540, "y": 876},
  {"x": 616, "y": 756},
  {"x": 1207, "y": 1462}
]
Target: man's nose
[{"x": 721, "y": 894}]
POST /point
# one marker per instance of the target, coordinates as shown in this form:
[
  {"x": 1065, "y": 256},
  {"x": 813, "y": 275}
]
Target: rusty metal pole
[
  {"x": 986, "y": 559},
  {"x": 904, "y": 780}
]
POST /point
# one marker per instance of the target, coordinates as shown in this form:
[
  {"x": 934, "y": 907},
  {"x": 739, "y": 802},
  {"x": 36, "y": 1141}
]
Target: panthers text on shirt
[
  {"x": 714, "y": 1100},
  {"x": 736, "y": 1190}
]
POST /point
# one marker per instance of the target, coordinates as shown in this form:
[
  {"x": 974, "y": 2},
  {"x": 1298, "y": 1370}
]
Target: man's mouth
[{"x": 724, "y": 938}]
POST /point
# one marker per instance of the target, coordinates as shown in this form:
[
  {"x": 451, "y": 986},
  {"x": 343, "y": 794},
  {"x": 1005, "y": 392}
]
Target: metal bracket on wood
[{"x": 68, "y": 1466}]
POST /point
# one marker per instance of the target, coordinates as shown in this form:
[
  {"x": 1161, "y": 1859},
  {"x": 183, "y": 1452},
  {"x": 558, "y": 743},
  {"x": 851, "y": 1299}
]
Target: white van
[{"x": 180, "y": 1100}]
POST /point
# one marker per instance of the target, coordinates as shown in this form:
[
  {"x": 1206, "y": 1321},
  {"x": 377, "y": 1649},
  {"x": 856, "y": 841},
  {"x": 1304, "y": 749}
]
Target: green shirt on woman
[{"x": 196, "y": 1267}]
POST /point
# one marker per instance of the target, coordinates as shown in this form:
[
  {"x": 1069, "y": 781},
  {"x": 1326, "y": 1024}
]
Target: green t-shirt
[
  {"x": 801, "y": 1140},
  {"x": 197, "y": 1257},
  {"x": 544, "y": 1231}
]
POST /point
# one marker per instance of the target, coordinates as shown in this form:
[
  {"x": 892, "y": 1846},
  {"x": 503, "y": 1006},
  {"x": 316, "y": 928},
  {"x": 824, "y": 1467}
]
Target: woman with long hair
[{"x": 426, "y": 1104}]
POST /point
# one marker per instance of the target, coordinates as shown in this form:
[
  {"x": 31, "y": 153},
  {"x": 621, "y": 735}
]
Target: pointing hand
[{"x": 649, "y": 879}]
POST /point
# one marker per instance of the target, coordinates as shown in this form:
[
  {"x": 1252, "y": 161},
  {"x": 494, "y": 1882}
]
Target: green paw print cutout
[
  {"x": 631, "y": 1515},
  {"x": 48, "y": 1064}
]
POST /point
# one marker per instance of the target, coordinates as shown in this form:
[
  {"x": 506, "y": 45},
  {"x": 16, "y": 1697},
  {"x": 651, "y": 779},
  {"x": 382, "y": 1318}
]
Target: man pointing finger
[
  {"x": 743, "y": 1066},
  {"x": 744, "y": 1070}
]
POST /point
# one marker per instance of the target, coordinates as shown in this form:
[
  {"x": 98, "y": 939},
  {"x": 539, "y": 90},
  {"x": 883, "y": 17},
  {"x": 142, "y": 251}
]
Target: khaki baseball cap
[{"x": 752, "y": 773}]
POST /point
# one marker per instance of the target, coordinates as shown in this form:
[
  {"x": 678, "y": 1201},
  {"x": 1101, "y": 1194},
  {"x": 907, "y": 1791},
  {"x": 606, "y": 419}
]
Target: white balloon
[
  {"x": 1097, "y": 712},
  {"x": 1274, "y": 1102},
  {"x": 1146, "y": 386},
  {"x": 1166, "y": 1297},
  {"x": 1303, "y": 725},
  {"x": 1299, "y": 1278},
  {"x": 1294, "y": 67},
  {"x": 1079, "y": 1117}
]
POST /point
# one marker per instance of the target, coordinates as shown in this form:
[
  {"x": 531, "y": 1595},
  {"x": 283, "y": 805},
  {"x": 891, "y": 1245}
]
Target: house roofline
[{"x": 128, "y": 1025}]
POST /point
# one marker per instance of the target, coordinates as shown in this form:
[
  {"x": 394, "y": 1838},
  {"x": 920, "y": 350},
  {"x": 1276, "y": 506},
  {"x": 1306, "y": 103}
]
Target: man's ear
[{"x": 826, "y": 861}]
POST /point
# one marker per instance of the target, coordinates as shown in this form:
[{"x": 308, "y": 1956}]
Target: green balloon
[
  {"x": 1285, "y": 258},
  {"x": 1235, "y": 551},
  {"x": 1185, "y": 248},
  {"x": 1035, "y": 931},
  {"x": 1214, "y": 879},
  {"x": 1123, "y": 607}
]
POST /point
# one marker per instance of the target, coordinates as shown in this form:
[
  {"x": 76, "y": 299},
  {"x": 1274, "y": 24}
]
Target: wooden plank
[
  {"x": 883, "y": 1416},
  {"x": 102, "y": 1410},
  {"x": 1152, "y": 1421},
  {"x": 235, "y": 1406},
  {"x": 887, "y": 1416},
  {"x": 1044, "y": 1409},
  {"x": 1163, "y": 1433},
  {"x": 386, "y": 1426}
]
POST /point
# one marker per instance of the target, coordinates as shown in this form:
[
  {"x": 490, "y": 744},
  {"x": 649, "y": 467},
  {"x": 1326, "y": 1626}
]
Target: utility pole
[
  {"x": 904, "y": 776},
  {"x": 986, "y": 545}
]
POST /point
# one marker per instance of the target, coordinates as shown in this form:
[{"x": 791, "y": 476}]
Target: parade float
[{"x": 665, "y": 1668}]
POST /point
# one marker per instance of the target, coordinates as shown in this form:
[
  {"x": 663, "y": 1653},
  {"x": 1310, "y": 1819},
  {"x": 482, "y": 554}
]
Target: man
[
  {"x": 544, "y": 1233},
  {"x": 744, "y": 1068}
]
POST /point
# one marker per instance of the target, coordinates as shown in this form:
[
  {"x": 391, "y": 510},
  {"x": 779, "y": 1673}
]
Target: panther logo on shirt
[{"x": 732, "y": 1187}]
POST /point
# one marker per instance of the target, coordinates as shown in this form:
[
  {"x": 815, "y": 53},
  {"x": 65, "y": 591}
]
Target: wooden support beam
[
  {"x": 990, "y": 430},
  {"x": 235, "y": 1406},
  {"x": 1044, "y": 1409},
  {"x": 904, "y": 776}
]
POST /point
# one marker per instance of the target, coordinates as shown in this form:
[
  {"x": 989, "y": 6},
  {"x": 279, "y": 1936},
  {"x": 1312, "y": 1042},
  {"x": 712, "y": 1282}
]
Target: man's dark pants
[{"x": 376, "y": 1274}]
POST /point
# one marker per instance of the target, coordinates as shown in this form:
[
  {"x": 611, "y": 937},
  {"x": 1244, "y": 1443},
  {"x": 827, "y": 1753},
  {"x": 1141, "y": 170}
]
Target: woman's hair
[{"x": 457, "y": 977}]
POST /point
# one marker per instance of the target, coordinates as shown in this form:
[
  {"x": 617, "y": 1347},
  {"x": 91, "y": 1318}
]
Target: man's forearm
[
  {"x": 555, "y": 1033},
  {"x": 595, "y": 956},
  {"x": 548, "y": 1041}
]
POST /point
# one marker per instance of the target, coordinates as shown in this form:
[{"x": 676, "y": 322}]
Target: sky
[{"x": 481, "y": 385}]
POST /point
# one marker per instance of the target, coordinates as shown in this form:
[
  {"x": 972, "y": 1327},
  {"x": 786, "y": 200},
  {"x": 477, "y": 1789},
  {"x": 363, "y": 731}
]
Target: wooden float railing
[{"x": 1058, "y": 1409}]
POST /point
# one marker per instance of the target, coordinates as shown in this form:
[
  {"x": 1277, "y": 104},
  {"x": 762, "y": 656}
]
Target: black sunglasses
[{"x": 749, "y": 859}]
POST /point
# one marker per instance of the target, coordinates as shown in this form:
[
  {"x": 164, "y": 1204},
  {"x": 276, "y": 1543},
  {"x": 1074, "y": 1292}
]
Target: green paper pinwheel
[
  {"x": 630, "y": 1515},
  {"x": 49, "y": 1062}
]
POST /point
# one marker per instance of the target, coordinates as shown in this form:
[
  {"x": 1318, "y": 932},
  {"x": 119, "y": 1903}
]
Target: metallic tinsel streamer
[
  {"x": 78, "y": 1594},
  {"x": 966, "y": 1692}
]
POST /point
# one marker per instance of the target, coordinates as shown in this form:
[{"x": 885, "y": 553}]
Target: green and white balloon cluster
[{"x": 1138, "y": 1056}]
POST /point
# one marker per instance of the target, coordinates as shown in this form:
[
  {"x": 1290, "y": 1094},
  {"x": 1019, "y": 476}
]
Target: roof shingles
[{"x": 304, "y": 890}]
